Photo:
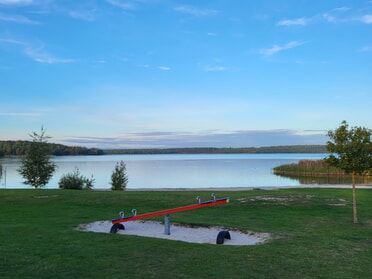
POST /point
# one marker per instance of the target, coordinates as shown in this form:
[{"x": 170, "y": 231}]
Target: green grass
[{"x": 313, "y": 235}]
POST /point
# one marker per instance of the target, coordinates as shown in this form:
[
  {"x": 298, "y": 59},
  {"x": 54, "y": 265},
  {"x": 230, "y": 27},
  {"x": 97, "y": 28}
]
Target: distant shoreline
[
  {"x": 217, "y": 189},
  {"x": 19, "y": 148},
  {"x": 340, "y": 186},
  {"x": 298, "y": 149}
]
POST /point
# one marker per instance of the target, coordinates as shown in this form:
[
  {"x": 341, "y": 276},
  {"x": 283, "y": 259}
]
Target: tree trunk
[{"x": 355, "y": 216}]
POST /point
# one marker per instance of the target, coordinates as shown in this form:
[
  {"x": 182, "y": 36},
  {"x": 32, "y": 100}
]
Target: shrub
[
  {"x": 76, "y": 181},
  {"x": 119, "y": 178}
]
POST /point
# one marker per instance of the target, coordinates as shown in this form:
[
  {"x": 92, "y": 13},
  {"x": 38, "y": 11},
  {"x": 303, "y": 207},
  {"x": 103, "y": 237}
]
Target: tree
[
  {"x": 353, "y": 147},
  {"x": 37, "y": 168},
  {"x": 119, "y": 178}
]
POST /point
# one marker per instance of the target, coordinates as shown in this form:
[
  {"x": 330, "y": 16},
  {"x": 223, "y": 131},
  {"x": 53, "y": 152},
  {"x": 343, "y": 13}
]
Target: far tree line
[
  {"x": 20, "y": 148},
  {"x": 223, "y": 150}
]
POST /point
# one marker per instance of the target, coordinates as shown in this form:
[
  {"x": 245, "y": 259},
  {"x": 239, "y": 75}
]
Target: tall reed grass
[
  {"x": 309, "y": 167},
  {"x": 319, "y": 172}
]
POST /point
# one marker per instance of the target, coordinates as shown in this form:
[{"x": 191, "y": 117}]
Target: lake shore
[
  {"x": 215, "y": 189},
  {"x": 368, "y": 186},
  {"x": 172, "y": 171}
]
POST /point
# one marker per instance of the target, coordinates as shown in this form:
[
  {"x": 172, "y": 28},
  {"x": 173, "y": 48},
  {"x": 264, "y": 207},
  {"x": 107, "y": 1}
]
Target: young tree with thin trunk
[
  {"x": 353, "y": 147},
  {"x": 119, "y": 177},
  {"x": 37, "y": 168}
]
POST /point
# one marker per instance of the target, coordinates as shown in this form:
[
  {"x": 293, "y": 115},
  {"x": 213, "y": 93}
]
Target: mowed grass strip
[{"x": 312, "y": 235}]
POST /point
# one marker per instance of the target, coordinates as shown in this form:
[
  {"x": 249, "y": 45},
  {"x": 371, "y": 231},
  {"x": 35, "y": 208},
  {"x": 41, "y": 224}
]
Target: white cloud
[
  {"x": 243, "y": 138},
  {"x": 19, "y": 114},
  {"x": 122, "y": 5},
  {"x": 366, "y": 19},
  {"x": 333, "y": 15},
  {"x": 298, "y": 21},
  {"x": 329, "y": 16},
  {"x": 87, "y": 15},
  {"x": 17, "y": 19},
  {"x": 36, "y": 54},
  {"x": 366, "y": 48},
  {"x": 12, "y": 41},
  {"x": 43, "y": 57},
  {"x": 9, "y": 2},
  {"x": 342, "y": 9},
  {"x": 274, "y": 49},
  {"x": 195, "y": 11},
  {"x": 164, "y": 68},
  {"x": 208, "y": 68},
  {"x": 309, "y": 132}
]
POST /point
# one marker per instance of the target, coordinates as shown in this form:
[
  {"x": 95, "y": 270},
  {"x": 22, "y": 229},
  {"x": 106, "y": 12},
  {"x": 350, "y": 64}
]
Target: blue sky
[{"x": 167, "y": 73}]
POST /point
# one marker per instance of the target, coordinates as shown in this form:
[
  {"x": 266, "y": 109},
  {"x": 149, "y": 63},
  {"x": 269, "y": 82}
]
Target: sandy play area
[{"x": 179, "y": 232}]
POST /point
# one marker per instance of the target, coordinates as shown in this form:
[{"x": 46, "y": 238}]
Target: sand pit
[{"x": 179, "y": 232}]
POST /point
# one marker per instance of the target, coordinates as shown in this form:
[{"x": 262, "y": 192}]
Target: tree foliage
[
  {"x": 37, "y": 168},
  {"x": 119, "y": 178},
  {"x": 353, "y": 148},
  {"x": 354, "y": 153},
  {"x": 76, "y": 181}
]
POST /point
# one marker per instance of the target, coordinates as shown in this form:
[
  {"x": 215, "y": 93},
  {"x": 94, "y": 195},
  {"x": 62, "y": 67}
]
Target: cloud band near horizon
[{"x": 234, "y": 139}]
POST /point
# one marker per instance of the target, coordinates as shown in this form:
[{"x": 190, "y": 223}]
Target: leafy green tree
[
  {"x": 76, "y": 181},
  {"x": 119, "y": 178},
  {"x": 37, "y": 168},
  {"x": 354, "y": 153}
]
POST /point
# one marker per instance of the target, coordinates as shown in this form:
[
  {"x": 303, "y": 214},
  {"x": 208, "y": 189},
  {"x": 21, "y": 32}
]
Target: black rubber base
[
  {"x": 116, "y": 227},
  {"x": 221, "y": 237}
]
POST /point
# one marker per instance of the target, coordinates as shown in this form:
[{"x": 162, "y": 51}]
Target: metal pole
[
  {"x": 167, "y": 224},
  {"x": 4, "y": 172}
]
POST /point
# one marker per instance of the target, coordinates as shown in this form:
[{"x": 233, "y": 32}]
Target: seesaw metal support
[{"x": 167, "y": 224}]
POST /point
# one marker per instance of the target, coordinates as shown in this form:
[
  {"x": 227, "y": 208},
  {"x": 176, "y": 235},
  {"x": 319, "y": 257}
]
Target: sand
[{"x": 179, "y": 232}]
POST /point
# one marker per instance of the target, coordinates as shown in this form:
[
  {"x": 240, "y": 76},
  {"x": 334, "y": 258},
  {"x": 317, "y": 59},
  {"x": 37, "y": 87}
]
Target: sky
[{"x": 170, "y": 73}]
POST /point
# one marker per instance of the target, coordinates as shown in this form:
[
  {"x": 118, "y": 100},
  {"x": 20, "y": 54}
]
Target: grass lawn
[{"x": 313, "y": 235}]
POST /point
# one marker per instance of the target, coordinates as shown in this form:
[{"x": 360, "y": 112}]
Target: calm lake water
[{"x": 170, "y": 171}]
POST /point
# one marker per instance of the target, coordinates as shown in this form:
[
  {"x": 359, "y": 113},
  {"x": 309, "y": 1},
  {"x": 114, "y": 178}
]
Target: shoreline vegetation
[
  {"x": 318, "y": 171},
  {"x": 19, "y": 148}
]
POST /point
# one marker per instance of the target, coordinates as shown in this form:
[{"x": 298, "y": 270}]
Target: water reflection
[
  {"x": 328, "y": 179},
  {"x": 172, "y": 171}
]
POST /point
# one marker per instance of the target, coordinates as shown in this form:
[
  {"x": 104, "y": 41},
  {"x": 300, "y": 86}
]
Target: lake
[{"x": 170, "y": 171}]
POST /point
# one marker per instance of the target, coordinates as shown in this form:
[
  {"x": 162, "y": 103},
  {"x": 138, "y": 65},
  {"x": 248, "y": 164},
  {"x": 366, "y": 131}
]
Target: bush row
[{"x": 75, "y": 180}]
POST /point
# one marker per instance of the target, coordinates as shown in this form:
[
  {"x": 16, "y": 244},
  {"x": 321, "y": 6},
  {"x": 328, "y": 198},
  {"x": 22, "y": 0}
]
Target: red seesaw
[{"x": 117, "y": 222}]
